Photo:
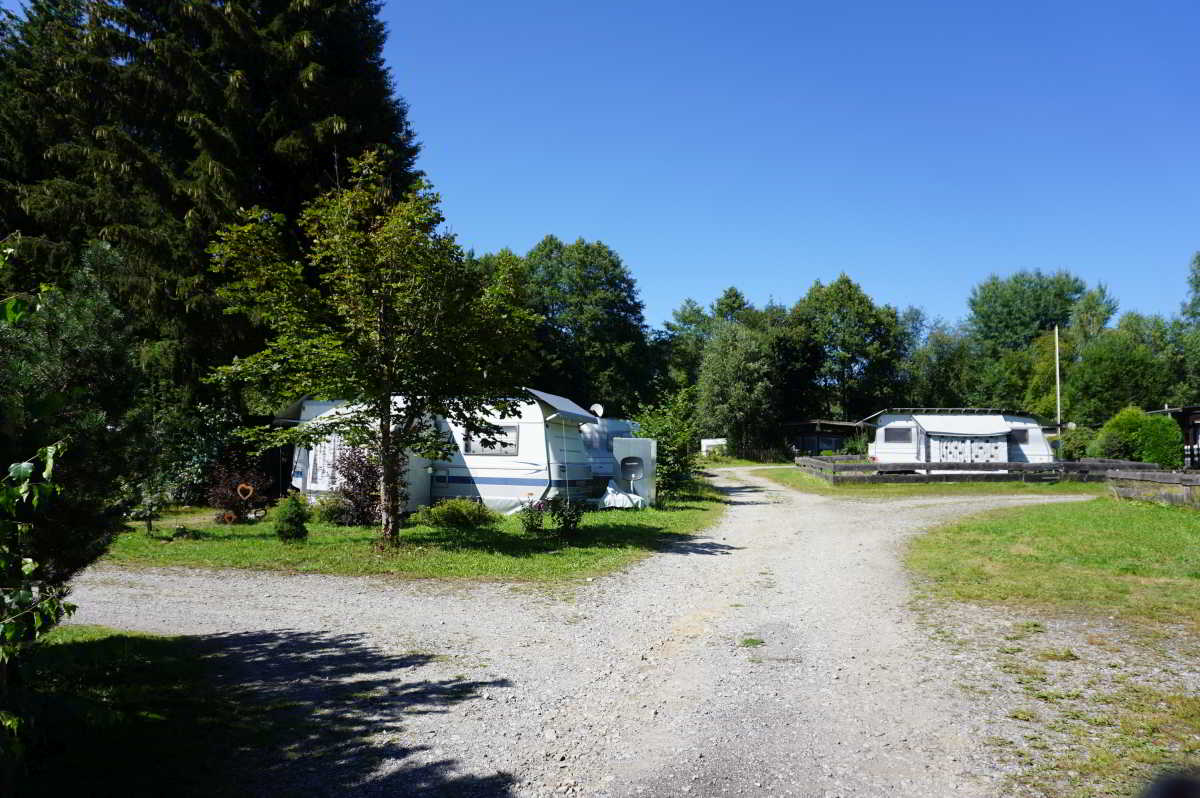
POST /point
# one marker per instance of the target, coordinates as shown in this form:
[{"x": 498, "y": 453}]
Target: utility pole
[{"x": 1057, "y": 386}]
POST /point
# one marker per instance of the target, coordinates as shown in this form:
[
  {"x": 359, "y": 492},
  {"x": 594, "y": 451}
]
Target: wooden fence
[
  {"x": 837, "y": 471},
  {"x": 1163, "y": 487}
]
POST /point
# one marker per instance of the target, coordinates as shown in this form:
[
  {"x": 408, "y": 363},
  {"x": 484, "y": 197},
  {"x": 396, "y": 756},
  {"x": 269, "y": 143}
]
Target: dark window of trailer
[
  {"x": 1020, "y": 436},
  {"x": 505, "y": 444},
  {"x": 897, "y": 435}
]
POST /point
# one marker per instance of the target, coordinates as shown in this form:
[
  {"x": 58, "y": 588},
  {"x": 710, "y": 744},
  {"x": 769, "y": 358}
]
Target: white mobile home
[
  {"x": 539, "y": 454},
  {"x": 957, "y": 435}
]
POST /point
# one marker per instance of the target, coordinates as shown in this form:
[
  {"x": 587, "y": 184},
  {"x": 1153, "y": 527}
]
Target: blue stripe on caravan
[{"x": 540, "y": 483}]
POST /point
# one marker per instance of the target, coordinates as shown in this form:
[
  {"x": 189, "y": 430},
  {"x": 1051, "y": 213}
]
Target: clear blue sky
[{"x": 917, "y": 146}]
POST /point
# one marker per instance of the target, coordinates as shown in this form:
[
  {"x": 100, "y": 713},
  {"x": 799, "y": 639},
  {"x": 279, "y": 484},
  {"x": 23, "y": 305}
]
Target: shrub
[
  {"x": 359, "y": 477},
  {"x": 1073, "y": 443},
  {"x": 1161, "y": 441},
  {"x": 290, "y": 517},
  {"x": 456, "y": 514},
  {"x": 672, "y": 425},
  {"x": 236, "y": 491},
  {"x": 1119, "y": 437},
  {"x": 856, "y": 444},
  {"x": 332, "y": 508},
  {"x": 566, "y": 514},
  {"x": 533, "y": 517}
]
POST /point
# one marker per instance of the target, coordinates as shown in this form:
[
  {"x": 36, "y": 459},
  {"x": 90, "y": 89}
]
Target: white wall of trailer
[{"x": 598, "y": 440}]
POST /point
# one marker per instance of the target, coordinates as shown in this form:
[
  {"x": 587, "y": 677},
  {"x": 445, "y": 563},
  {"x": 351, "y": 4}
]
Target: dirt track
[{"x": 636, "y": 683}]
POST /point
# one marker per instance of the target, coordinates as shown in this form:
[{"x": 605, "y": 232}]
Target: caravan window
[
  {"x": 1018, "y": 436},
  {"x": 897, "y": 435},
  {"x": 505, "y": 445}
]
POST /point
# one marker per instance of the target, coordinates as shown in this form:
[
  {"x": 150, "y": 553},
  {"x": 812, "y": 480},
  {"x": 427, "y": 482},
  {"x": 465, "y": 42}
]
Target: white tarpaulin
[
  {"x": 964, "y": 425},
  {"x": 615, "y": 498}
]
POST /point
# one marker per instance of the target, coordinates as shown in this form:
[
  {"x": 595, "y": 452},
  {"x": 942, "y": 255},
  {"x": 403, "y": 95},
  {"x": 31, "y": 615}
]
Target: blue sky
[{"x": 917, "y": 146}]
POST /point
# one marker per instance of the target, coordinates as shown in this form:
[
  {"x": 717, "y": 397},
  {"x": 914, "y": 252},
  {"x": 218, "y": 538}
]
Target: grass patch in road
[
  {"x": 1137, "y": 561},
  {"x": 751, "y": 642},
  {"x": 796, "y": 479},
  {"x": 606, "y": 541}
]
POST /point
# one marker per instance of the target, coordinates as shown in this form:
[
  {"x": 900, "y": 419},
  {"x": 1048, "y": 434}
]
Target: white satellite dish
[{"x": 597, "y": 410}]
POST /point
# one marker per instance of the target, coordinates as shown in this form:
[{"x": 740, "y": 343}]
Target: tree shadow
[{"x": 276, "y": 712}]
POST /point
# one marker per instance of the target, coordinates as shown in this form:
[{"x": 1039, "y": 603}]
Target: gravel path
[{"x": 643, "y": 682}]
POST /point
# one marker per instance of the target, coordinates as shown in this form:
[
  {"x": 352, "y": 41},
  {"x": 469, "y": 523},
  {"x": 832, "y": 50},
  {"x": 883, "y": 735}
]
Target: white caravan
[
  {"x": 957, "y": 435},
  {"x": 538, "y": 454}
]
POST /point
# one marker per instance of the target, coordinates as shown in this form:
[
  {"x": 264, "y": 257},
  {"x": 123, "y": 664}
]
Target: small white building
[{"x": 957, "y": 435}]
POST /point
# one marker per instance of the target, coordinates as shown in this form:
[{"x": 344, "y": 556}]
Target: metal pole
[{"x": 1057, "y": 385}]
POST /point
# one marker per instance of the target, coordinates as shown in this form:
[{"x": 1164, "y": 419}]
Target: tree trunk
[{"x": 390, "y": 489}]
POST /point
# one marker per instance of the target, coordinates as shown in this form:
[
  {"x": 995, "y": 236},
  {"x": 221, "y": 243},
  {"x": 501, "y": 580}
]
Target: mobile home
[
  {"x": 957, "y": 435},
  {"x": 538, "y": 454}
]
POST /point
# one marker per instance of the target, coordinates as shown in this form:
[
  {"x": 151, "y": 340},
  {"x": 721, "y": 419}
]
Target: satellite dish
[{"x": 597, "y": 410}]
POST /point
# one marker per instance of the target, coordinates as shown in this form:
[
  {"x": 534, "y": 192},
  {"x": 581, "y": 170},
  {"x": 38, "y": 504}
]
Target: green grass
[
  {"x": 1136, "y": 565},
  {"x": 751, "y": 642},
  {"x": 1137, "y": 561},
  {"x": 606, "y": 541},
  {"x": 115, "y": 713},
  {"x": 797, "y": 479},
  {"x": 723, "y": 461}
]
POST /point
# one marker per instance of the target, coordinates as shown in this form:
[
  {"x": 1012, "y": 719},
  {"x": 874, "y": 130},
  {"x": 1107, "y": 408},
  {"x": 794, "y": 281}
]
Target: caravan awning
[
  {"x": 564, "y": 408},
  {"x": 963, "y": 426}
]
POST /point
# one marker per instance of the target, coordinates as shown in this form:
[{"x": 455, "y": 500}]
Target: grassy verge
[
  {"x": 796, "y": 479},
  {"x": 1103, "y": 699},
  {"x": 606, "y": 541},
  {"x": 721, "y": 461},
  {"x": 120, "y": 714}
]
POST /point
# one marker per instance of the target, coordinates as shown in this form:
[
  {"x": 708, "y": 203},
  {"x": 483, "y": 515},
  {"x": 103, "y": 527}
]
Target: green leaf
[
  {"x": 14, "y": 309},
  {"x": 20, "y": 472}
]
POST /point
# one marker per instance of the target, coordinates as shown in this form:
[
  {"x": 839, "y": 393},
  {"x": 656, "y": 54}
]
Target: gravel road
[{"x": 645, "y": 682}]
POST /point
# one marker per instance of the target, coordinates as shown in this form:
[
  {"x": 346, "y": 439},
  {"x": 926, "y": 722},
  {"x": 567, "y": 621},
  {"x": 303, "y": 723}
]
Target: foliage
[
  {"x": 332, "y": 508},
  {"x": 150, "y": 123},
  {"x": 1073, "y": 443},
  {"x": 290, "y": 517},
  {"x": 359, "y": 477},
  {"x": 939, "y": 369},
  {"x": 856, "y": 444},
  {"x": 1136, "y": 435},
  {"x": 672, "y": 425},
  {"x": 532, "y": 516},
  {"x": 566, "y": 514},
  {"x": 1161, "y": 441},
  {"x": 1006, "y": 314},
  {"x": 456, "y": 514},
  {"x": 591, "y": 336},
  {"x": 1114, "y": 370},
  {"x": 398, "y": 324},
  {"x": 862, "y": 345},
  {"x": 237, "y": 490}
]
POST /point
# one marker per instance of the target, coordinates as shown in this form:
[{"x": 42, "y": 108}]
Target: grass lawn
[
  {"x": 722, "y": 461},
  {"x": 797, "y": 479},
  {"x": 1101, "y": 727},
  {"x": 605, "y": 542},
  {"x": 1138, "y": 561}
]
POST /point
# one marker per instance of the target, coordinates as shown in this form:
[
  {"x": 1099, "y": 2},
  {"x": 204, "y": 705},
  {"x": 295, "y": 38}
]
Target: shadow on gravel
[
  {"x": 278, "y": 713},
  {"x": 741, "y": 491},
  {"x": 330, "y": 715}
]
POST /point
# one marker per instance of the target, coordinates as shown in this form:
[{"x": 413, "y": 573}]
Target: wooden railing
[{"x": 837, "y": 471}]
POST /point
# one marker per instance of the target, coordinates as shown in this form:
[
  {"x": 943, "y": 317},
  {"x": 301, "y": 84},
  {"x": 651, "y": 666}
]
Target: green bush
[
  {"x": 290, "y": 517},
  {"x": 1073, "y": 443},
  {"x": 1161, "y": 441},
  {"x": 332, "y": 508},
  {"x": 1133, "y": 434},
  {"x": 456, "y": 514},
  {"x": 1119, "y": 438},
  {"x": 672, "y": 424},
  {"x": 855, "y": 445},
  {"x": 533, "y": 517},
  {"x": 566, "y": 514}
]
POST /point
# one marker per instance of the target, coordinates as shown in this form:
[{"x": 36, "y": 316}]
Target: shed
[
  {"x": 816, "y": 435},
  {"x": 957, "y": 435}
]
